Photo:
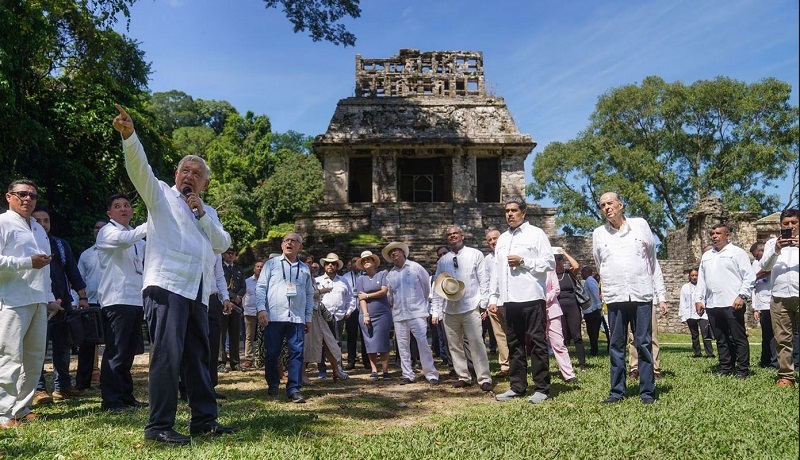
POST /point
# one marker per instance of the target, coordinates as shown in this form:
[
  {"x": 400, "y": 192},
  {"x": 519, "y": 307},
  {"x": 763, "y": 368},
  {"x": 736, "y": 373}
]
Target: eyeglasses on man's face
[
  {"x": 291, "y": 240},
  {"x": 24, "y": 194}
]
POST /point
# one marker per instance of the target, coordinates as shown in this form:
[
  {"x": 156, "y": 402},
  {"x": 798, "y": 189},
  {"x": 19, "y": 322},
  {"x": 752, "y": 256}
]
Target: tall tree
[
  {"x": 662, "y": 146},
  {"x": 320, "y": 17}
]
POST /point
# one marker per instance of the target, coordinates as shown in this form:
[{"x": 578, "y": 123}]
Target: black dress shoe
[
  {"x": 168, "y": 437},
  {"x": 742, "y": 375},
  {"x": 611, "y": 400},
  {"x": 213, "y": 430},
  {"x": 272, "y": 391},
  {"x": 117, "y": 409},
  {"x": 460, "y": 384},
  {"x": 136, "y": 403},
  {"x": 485, "y": 386},
  {"x": 296, "y": 397},
  {"x": 220, "y": 396},
  {"x": 350, "y": 366}
]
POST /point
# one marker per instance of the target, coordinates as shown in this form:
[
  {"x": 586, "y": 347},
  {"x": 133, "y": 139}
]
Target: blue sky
[{"x": 550, "y": 60}]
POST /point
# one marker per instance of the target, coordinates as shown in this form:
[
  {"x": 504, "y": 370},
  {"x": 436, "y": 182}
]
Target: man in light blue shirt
[
  {"x": 593, "y": 314},
  {"x": 284, "y": 301}
]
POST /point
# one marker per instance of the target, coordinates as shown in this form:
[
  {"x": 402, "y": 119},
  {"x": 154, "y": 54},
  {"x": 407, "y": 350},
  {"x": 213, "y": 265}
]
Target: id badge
[{"x": 291, "y": 289}]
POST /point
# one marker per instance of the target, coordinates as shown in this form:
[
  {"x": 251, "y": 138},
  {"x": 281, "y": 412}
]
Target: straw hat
[
  {"x": 449, "y": 287},
  {"x": 332, "y": 258},
  {"x": 392, "y": 246},
  {"x": 368, "y": 254}
]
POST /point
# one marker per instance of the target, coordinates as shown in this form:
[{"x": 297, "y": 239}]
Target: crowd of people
[{"x": 177, "y": 273}]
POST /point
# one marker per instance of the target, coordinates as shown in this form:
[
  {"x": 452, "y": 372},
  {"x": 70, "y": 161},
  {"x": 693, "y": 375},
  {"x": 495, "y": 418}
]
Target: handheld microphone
[{"x": 186, "y": 192}]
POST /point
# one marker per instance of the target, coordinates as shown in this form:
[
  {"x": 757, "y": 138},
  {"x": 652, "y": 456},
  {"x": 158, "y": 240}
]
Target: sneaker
[
  {"x": 405, "y": 381},
  {"x": 350, "y": 366},
  {"x": 433, "y": 382},
  {"x": 508, "y": 395},
  {"x": 648, "y": 400},
  {"x": 573, "y": 380},
  {"x": 373, "y": 375},
  {"x": 486, "y": 386},
  {"x": 239, "y": 368},
  {"x": 538, "y": 397},
  {"x": 41, "y": 398},
  {"x": 67, "y": 393},
  {"x": 296, "y": 397},
  {"x": 222, "y": 369}
]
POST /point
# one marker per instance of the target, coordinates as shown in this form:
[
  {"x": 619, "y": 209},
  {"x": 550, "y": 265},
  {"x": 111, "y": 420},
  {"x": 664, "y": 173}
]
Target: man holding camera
[{"x": 781, "y": 258}]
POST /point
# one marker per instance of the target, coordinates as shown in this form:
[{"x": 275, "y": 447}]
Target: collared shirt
[
  {"x": 724, "y": 274},
  {"x": 339, "y": 299},
  {"x": 20, "y": 283},
  {"x": 785, "y": 269},
  {"x": 626, "y": 260},
  {"x": 89, "y": 266},
  {"x": 527, "y": 282},
  {"x": 249, "y": 300},
  {"x": 686, "y": 307},
  {"x": 471, "y": 271},
  {"x": 271, "y": 290},
  {"x": 234, "y": 279},
  {"x": 221, "y": 289},
  {"x": 488, "y": 264},
  {"x": 552, "y": 290},
  {"x": 350, "y": 278},
  {"x": 409, "y": 289},
  {"x": 120, "y": 253},
  {"x": 659, "y": 289},
  {"x": 592, "y": 289},
  {"x": 762, "y": 294},
  {"x": 180, "y": 249}
]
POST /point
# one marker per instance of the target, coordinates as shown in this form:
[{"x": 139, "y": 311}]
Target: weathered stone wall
[
  {"x": 335, "y": 177},
  {"x": 464, "y": 178},
  {"x": 512, "y": 176},
  {"x": 384, "y": 173}
]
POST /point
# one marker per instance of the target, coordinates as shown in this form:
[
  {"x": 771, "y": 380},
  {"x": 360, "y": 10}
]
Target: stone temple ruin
[{"x": 420, "y": 146}]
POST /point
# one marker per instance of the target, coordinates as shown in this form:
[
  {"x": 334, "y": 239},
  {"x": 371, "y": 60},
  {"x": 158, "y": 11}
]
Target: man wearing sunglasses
[
  {"x": 184, "y": 236},
  {"x": 26, "y": 301}
]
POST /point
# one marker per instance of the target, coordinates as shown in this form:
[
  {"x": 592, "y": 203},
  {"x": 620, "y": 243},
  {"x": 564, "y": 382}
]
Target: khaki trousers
[
  {"x": 499, "y": 327},
  {"x": 784, "y": 312},
  {"x": 633, "y": 355}
]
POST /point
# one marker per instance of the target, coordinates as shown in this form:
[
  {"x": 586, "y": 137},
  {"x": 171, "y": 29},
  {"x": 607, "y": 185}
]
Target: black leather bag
[{"x": 86, "y": 326}]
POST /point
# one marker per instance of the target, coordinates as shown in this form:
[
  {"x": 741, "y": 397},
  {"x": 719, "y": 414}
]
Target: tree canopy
[
  {"x": 320, "y": 18},
  {"x": 662, "y": 146}
]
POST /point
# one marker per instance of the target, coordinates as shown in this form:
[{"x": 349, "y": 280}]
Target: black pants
[
  {"x": 593, "y": 321},
  {"x": 353, "y": 332},
  {"x": 732, "y": 346},
  {"x": 179, "y": 333},
  {"x": 86, "y": 359},
  {"x": 123, "y": 336},
  {"x": 571, "y": 323},
  {"x": 769, "y": 351},
  {"x": 698, "y": 327},
  {"x": 230, "y": 325},
  {"x": 527, "y": 318},
  {"x": 214, "y": 331}
]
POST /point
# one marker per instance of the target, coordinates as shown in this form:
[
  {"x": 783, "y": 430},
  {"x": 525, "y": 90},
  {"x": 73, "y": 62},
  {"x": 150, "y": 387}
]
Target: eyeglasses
[
  {"x": 455, "y": 261},
  {"x": 23, "y": 194},
  {"x": 291, "y": 240},
  {"x": 330, "y": 263}
]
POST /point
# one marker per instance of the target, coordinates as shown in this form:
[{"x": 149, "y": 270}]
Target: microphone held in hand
[{"x": 186, "y": 192}]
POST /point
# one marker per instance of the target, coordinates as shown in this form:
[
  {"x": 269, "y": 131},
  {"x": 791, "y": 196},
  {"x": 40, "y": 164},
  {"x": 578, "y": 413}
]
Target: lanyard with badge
[{"x": 291, "y": 286}]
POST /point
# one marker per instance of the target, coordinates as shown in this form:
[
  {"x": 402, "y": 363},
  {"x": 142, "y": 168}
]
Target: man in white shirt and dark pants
[
  {"x": 184, "y": 235},
  {"x": 698, "y": 324},
  {"x": 523, "y": 256},
  {"x": 625, "y": 254},
  {"x": 724, "y": 285},
  {"x": 25, "y": 300},
  {"x": 120, "y": 249},
  {"x": 781, "y": 257}
]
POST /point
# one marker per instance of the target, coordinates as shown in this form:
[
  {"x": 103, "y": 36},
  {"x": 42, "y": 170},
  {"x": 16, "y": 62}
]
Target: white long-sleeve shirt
[
  {"x": 785, "y": 269},
  {"x": 762, "y": 293},
  {"x": 723, "y": 275},
  {"x": 180, "y": 249},
  {"x": 338, "y": 300},
  {"x": 89, "y": 266},
  {"x": 626, "y": 260},
  {"x": 249, "y": 300},
  {"x": 120, "y": 253},
  {"x": 527, "y": 282},
  {"x": 350, "y": 278},
  {"x": 409, "y": 289},
  {"x": 221, "y": 287},
  {"x": 659, "y": 289},
  {"x": 686, "y": 308},
  {"x": 470, "y": 270},
  {"x": 20, "y": 283}
]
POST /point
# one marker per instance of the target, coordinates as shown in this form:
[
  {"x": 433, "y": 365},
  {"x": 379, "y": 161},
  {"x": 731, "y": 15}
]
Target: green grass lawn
[{"x": 697, "y": 415}]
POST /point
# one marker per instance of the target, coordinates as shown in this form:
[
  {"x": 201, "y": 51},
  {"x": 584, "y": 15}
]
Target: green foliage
[
  {"x": 662, "y": 146},
  {"x": 280, "y": 230},
  {"x": 294, "y": 187},
  {"x": 365, "y": 238},
  {"x": 319, "y": 18}
]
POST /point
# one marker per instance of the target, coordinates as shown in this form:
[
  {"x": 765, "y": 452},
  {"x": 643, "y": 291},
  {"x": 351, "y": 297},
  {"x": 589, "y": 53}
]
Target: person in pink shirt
[{"x": 554, "y": 329}]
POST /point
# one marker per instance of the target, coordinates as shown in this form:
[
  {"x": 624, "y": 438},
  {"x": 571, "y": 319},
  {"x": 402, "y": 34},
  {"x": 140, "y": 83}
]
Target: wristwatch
[{"x": 744, "y": 297}]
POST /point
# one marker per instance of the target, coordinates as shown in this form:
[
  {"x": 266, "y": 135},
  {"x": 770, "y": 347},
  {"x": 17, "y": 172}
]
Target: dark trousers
[
  {"x": 700, "y": 327},
  {"x": 230, "y": 325},
  {"x": 444, "y": 350},
  {"x": 732, "y": 345},
  {"x": 486, "y": 328},
  {"x": 274, "y": 334},
  {"x": 214, "y": 328},
  {"x": 86, "y": 356},
  {"x": 769, "y": 350},
  {"x": 434, "y": 331},
  {"x": 640, "y": 317},
  {"x": 58, "y": 336},
  {"x": 353, "y": 330},
  {"x": 123, "y": 336},
  {"x": 179, "y": 333},
  {"x": 527, "y": 318},
  {"x": 571, "y": 325},
  {"x": 593, "y": 321}
]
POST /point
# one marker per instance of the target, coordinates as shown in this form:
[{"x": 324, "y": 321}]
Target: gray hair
[
  {"x": 518, "y": 200},
  {"x": 195, "y": 159}
]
